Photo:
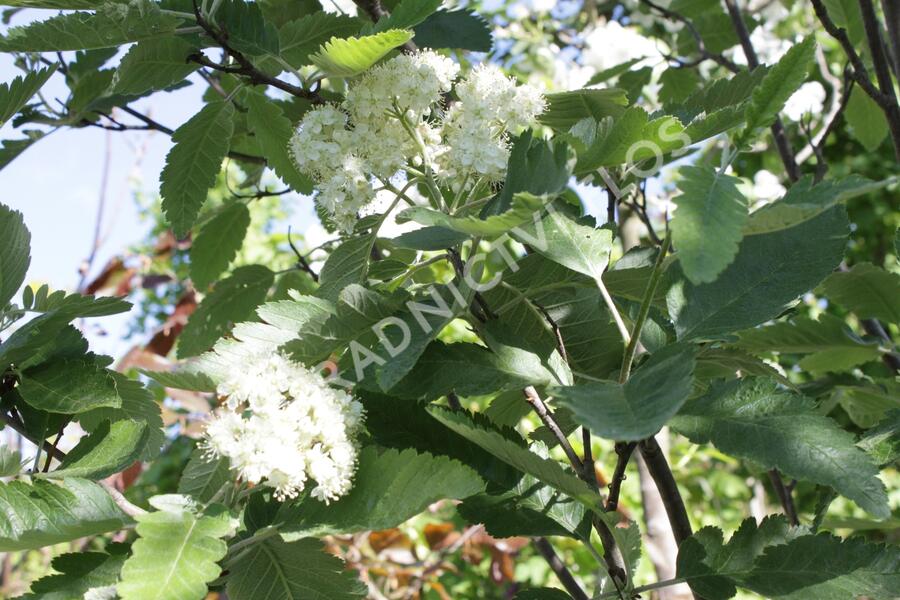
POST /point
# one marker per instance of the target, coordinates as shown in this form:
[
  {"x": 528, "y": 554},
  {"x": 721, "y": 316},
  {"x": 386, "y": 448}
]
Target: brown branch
[
  {"x": 659, "y": 469},
  {"x": 705, "y": 54},
  {"x": 245, "y": 67},
  {"x": 860, "y": 73},
  {"x": 624, "y": 451},
  {"x": 882, "y": 71},
  {"x": 534, "y": 399},
  {"x": 784, "y": 496},
  {"x": 891, "y": 9},
  {"x": 546, "y": 550},
  {"x": 19, "y": 427}
]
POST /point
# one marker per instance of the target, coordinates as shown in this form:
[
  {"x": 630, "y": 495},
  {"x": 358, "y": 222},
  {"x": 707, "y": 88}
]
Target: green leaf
[
  {"x": 154, "y": 65},
  {"x": 273, "y": 132},
  {"x": 182, "y": 379},
  {"x": 868, "y": 403},
  {"x": 217, "y": 243},
  {"x": 846, "y": 14},
  {"x": 564, "y": 109},
  {"x": 138, "y": 404},
  {"x": 826, "y": 567},
  {"x": 68, "y": 386},
  {"x": 112, "y": 25},
  {"x": 108, "y": 449},
  {"x": 460, "y": 29},
  {"x": 769, "y": 273},
  {"x": 712, "y": 567},
  {"x": 11, "y": 149},
  {"x": 301, "y": 37},
  {"x": 882, "y": 442},
  {"x": 14, "y": 252},
  {"x": 525, "y": 207},
  {"x": 203, "y": 476},
  {"x": 407, "y": 14},
  {"x": 302, "y": 570},
  {"x": 706, "y": 228},
  {"x": 351, "y": 56},
  {"x": 677, "y": 85},
  {"x": 31, "y": 517},
  {"x": 581, "y": 248},
  {"x": 640, "y": 407},
  {"x": 76, "y": 306},
  {"x": 176, "y": 551},
  {"x": 79, "y": 572},
  {"x": 831, "y": 345},
  {"x": 193, "y": 163},
  {"x": 534, "y": 166},
  {"x": 471, "y": 370},
  {"x": 629, "y": 138},
  {"x": 778, "y": 85},
  {"x": 806, "y": 200},
  {"x": 751, "y": 419},
  {"x": 231, "y": 301},
  {"x": 867, "y": 291},
  {"x": 14, "y": 95},
  {"x": 10, "y": 461},
  {"x": 389, "y": 487},
  {"x": 429, "y": 238},
  {"x": 866, "y": 120},
  {"x": 348, "y": 263},
  {"x": 248, "y": 32}
]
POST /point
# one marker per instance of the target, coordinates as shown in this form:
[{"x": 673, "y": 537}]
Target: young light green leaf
[
  {"x": 769, "y": 272},
  {"x": 154, "y": 65},
  {"x": 752, "y": 419},
  {"x": 31, "y": 517},
  {"x": 276, "y": 570},
  {"x": 781, "y": 81},
  {"x": 706, "y": 228},
  {"x": 273, "y": 132},
  {"x": 193, "y": 163},
  {"x": 10, "y": 461},
  {"x": 77, "y": 306},
  {"x": 112, "y": 25},
  {"x": 525, "y": 208},
  {"x": 108, "y": 449},
  {"x": 14, "y": 95},
  {"x": 866, "y": 290},
  {"x": 203, "y": 476},
  {"x": 79, "y": 572},
  {"x": 68, "y": 386},
  {"x": 351, "y": 56},
  {"x": 182, "y": 379},
  {"x": 232, "y": 300},
  {"x": 14, "y": 252},
  {"x": 389, "y": 487},
  {"x": 176, "y": 552},
  {"x": 640, "y": 407},
  {"x": 217, "y": 243}
]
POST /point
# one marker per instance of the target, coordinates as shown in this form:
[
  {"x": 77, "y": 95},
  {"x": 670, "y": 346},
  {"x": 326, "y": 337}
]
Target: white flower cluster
[
  {"x": 394, "y": 117},
  {"x": 283, "y": 425}
]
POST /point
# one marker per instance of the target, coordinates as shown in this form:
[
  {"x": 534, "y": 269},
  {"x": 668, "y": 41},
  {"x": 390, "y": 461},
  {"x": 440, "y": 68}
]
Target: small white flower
[
  {"x": 766, "y": 185},
  {"x": 283, "y": 426}
]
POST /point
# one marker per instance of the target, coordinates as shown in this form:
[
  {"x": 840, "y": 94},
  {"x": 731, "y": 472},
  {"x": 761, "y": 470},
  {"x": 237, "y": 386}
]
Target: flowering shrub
[{"x": 597, "y": 284}]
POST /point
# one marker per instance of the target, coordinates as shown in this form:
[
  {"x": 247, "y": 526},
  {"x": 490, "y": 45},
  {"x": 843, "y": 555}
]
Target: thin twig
[
  {"x": 302, "y": 263},
  {"x": 565, "y": 577},
  {"x": 624, "y": 451},
  {"x": 784, "y": 496},
  {"x": 19, "y": 427},
  {"x": 881, "y": 64},
  {"x": 534, "y": 399},
  {"x": 122, "y": 502}
]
